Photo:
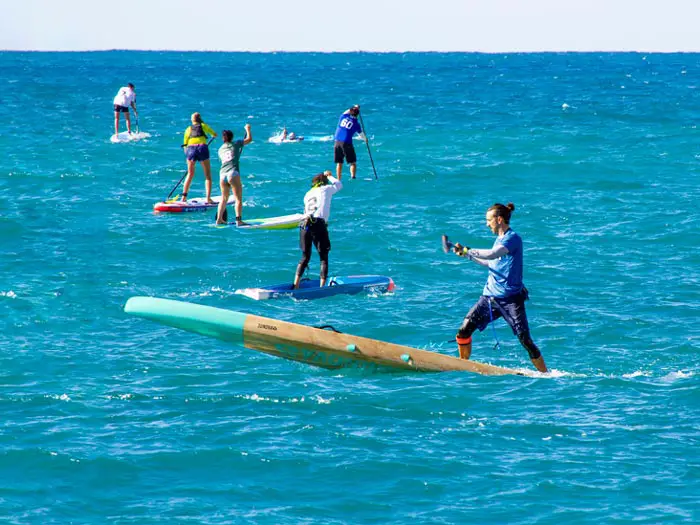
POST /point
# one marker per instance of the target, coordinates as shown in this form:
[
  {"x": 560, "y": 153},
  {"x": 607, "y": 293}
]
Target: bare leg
[
  {"x": 353, "y": 170},
  {"x": 188, "y": 180},
  {"x": 222, "y": 205},
  {"x": 338, "y": 170},
  {"x": 116, "y": 123},
  {"x": 207, "y": 176},
  {"x": 539, "y": 364},
  {"x": 127, "y": 117},
  {"x": 300, "y": 271},
  {"x": 238, "y": 194},
  {"x": 465, "y": 350},
  {"x": 532, "y": 349}
]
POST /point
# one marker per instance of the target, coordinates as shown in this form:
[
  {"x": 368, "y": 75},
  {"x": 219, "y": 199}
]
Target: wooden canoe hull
[{"x": 305, "y": 344}]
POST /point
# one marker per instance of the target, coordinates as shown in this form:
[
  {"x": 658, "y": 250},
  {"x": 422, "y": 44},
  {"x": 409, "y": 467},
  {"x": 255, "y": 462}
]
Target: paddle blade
[
  {"x": 446, "y": 244},
  {"x": 224, "y": 218}
]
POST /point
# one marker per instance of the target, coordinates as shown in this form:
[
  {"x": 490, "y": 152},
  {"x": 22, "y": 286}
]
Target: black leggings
[
  {"x": 316, "y": 234},
  {"x": 469, "y": 327},
  {"x": 304, "y": 262}
]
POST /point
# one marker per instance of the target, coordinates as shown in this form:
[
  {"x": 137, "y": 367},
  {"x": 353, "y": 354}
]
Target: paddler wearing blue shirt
[
  {"x": 343, "y": 148},
  {"x": 504, "y": 294}
]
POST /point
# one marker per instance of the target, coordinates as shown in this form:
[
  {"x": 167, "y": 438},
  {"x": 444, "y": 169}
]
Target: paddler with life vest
[{"x": 196, "y": 137}]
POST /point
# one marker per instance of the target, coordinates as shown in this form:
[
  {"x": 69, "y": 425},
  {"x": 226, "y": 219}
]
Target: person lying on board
[
  {"x": 504, "y": 294},
  {"x": 291, "y": 136},
  {"x": 314, "y": 229}
]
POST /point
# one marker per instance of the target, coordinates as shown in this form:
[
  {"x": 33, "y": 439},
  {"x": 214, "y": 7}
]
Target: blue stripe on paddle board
[{"x": 226, "y": 325}]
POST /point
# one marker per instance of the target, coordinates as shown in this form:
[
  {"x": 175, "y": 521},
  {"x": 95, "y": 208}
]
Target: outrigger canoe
[{"x": 305, "y": 344}]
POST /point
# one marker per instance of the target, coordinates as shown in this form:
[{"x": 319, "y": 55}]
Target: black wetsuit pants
[{"x": 314, "y": 232}]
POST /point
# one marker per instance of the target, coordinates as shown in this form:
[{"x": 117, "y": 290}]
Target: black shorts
[
  {"x": 315, "y": 233},
  {"x": 512, "y": 309},
  {"x": 120, "y": 109},
  {"x": 344, "y": 150}
]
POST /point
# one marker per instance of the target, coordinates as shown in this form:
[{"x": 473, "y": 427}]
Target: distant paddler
[
  {"x": 290, "y": 136},
  {"x": 229, "y": 175},
  {"x": 343, "y": 149},
  {"x": 504, "y": 294},
  {"x": 126, "y": 97},
  {"x": 314, "y": 229},
  {"x": 197, "y": 150}
]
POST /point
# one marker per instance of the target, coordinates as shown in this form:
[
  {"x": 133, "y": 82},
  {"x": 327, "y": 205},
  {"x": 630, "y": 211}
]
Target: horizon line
[{"x": 358, "y": 51}]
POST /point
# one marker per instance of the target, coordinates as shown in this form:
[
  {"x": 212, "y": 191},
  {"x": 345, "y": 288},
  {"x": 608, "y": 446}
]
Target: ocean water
[{"x": 108, "y": 418}]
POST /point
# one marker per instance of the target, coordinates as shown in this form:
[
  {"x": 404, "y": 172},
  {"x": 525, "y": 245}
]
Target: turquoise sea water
[{"x": 112, "y": 419}]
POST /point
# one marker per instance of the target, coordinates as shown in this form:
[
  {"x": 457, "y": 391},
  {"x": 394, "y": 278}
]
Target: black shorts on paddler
[
  {"x": 512, "y": 309},
  {"x": 121, "y": 109},
  {"x": 344, "y": 150}
]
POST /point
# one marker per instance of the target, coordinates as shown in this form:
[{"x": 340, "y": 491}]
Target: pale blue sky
[{"x": 369, "y": 25}]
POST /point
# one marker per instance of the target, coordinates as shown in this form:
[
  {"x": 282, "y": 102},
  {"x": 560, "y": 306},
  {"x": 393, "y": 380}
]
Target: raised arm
[
  {"x": 248, "y": 135},
  {"x": 208, "y": 129},
  {"x": 336, "y": 184}
]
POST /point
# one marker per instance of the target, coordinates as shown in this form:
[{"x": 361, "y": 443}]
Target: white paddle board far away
[{"x": 125, "y": 136}]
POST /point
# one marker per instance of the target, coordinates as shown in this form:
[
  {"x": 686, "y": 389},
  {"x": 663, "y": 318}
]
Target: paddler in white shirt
[
  {"x": 125, "y": 97},
  {"x": 314, "y": 228}
]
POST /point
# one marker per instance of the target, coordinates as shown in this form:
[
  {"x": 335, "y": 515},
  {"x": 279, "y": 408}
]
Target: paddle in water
[
  {"x": 362, "y": 123},
  {"x": 167, "y": 199}
]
